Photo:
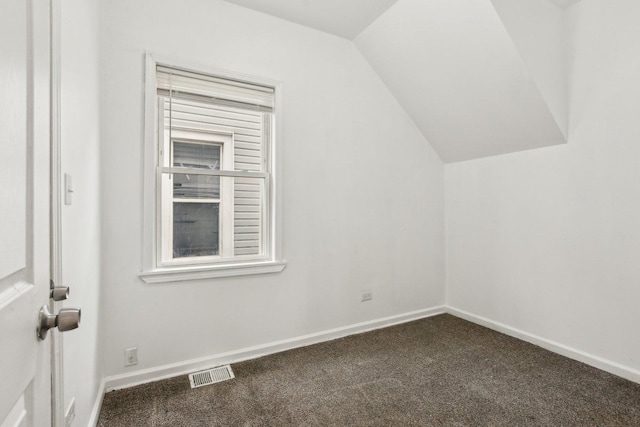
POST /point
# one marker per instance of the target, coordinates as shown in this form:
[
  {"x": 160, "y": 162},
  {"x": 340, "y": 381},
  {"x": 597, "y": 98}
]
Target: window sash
[
  {"x": 174, "y": 124},
  {"x": 166, "y": 140},
  {"x": 227, "y": 231},
  {"x": 212, "y": 172}
]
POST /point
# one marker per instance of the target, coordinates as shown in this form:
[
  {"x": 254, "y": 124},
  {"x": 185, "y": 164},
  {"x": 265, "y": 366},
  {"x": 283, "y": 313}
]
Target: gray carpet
[{"x": 437, "y": 371}]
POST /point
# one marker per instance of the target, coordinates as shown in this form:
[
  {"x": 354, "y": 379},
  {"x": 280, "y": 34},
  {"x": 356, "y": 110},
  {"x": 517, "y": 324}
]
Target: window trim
[{"x": 152, "y": 270}]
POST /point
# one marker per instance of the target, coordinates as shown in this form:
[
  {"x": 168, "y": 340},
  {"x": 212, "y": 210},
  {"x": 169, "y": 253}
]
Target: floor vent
[{"x": 211, "y": 376}]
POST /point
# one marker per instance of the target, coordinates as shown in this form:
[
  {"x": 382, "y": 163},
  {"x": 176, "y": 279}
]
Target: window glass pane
[
  {"x": 189, "y": 186},
  {"x": 251, "y": 131},
  {"x": 195, "y": 155},
  {"x": 248, "y": 212},
  {"x": 250, "y": 144},
  {"x": 195, "y": 229}
]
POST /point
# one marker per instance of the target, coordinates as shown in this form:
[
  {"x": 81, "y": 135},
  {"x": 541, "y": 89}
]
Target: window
[{"x": 213, "y": 184}]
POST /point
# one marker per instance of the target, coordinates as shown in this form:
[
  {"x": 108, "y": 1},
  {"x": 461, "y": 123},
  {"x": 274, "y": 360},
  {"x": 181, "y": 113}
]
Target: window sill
[{"x": 181, "y": 274}]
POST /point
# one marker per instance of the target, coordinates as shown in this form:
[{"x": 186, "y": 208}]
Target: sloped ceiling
[
  {"x": 344, "y": 18},
  {"x": 536, "y": 29},
  {"x": 565, "y": 3},
  {"x": 478, "y": 77},
  {"x": 457, "y": 72}
]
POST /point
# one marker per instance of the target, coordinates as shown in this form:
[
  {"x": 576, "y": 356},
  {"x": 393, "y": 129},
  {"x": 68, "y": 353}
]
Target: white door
[{"x": 25, "y": 380}]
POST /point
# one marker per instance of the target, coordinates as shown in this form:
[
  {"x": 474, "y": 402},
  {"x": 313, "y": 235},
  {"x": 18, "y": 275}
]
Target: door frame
[{"x": 57, "y": 355}]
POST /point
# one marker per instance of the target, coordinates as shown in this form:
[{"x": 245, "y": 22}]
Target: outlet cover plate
[{"x": 131, "y": 356}]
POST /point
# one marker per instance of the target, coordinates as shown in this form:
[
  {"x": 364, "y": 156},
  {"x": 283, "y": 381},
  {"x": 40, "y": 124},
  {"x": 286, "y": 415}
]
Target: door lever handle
[{"x": 66, "y": 320}]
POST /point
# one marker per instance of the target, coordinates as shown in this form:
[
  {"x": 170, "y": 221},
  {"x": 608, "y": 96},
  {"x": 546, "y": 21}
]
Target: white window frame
[{"x": 157, "y": 268}]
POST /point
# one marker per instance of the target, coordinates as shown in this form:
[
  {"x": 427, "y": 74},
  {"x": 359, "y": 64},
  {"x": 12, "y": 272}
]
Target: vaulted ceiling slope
[
  {"x": 344, "y": 18},
  {"x": 459, "y": 74},
  {"x": 565, "y": 3},
  {"x": 536, "y": 29}
]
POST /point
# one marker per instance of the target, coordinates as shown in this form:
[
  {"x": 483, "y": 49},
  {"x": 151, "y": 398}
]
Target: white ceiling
[
  {"x": 343, "y": 18},
  {"x": 455, "y": 69},
  {"x": 565, "y": 3}
]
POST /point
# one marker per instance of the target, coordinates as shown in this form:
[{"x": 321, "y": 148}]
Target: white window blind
[{"x": 190, "y": 85}]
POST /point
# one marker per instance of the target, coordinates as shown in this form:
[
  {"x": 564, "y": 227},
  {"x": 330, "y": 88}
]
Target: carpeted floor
[{"x": 437, "y": 371}]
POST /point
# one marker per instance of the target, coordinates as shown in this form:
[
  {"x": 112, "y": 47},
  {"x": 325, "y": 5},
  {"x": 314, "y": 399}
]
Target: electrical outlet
[
  {"x": 131, "y": 356},
  {"x": 71, "y": 413},
  {"x": 367, "y": 296}
]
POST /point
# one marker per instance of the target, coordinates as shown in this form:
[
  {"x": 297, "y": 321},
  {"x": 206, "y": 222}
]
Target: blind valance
[{"x": 184, "y": 84}]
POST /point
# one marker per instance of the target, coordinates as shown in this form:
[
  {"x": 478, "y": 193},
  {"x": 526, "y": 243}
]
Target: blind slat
[{"x": 182, "y": 84}]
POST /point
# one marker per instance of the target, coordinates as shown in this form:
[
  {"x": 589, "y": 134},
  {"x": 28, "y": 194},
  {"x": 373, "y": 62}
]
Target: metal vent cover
[{"x": 211, "y": 376}]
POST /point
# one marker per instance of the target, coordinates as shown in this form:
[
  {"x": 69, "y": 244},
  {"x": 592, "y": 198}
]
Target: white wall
[
  {"x": 363, "y": 190},
  {"x": 80, "y": 135},
  {"x": 547, "y": 241}
]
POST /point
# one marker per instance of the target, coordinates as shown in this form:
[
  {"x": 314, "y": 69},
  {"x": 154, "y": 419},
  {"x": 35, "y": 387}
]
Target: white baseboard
[
  {"x": 143, "y": 376},
  {"x": 95, "y": 412},
  {"x": 572, "y": 353}
]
